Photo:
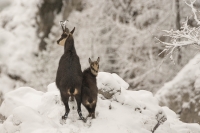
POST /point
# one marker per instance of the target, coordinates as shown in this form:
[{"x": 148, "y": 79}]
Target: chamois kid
[
  {"x": 89, "y": 87},
  {"x": 69, "y": 74}
]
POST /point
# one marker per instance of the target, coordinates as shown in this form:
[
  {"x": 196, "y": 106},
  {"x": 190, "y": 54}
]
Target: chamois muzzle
[
  {"x": 58, "y": 41},
  {"x": 94, "y": 66}
]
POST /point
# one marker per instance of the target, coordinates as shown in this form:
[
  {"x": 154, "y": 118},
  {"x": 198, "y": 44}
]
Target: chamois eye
[{"x": 63, "y": 35}]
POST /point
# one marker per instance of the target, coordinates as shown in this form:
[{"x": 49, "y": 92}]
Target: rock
[
  {"x": 2, "y": 118},
  {"x": 182, "y": 93}
]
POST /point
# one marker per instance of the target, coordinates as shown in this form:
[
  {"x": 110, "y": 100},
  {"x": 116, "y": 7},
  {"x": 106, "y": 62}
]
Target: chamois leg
[
  {"x": 93, "y": 111},
  {"x": 78, "y": 101},
  {"x": 65, "y": 100},
  {"x": 89, "y": 111}
]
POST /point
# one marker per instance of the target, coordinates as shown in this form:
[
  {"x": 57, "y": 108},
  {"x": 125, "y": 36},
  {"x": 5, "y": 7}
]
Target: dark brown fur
[
  {"x": 89, "y": 88},
  {"x": 69, "y": 74}
]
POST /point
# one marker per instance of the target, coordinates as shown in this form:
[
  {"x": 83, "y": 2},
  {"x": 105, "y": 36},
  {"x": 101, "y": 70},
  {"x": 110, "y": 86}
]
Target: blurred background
[{"x": 121, "y": 32}]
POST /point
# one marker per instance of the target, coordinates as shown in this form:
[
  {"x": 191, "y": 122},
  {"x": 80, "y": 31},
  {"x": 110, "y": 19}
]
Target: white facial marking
[
  {"x": 62, "y": 42},
  {"x": 93, "y": 72}
]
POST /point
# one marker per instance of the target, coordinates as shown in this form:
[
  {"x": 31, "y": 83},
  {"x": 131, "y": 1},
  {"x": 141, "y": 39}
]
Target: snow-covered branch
[
  {"x": 191, "y": 5},
  {"x": 186, "y": 36}
]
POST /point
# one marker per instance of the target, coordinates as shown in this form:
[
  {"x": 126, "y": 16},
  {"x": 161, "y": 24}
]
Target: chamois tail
[{"x": 72, "y": 90}]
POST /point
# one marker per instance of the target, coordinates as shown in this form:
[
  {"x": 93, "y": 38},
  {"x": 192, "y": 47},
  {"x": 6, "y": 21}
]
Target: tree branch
[{"x": 191, "y": 5}]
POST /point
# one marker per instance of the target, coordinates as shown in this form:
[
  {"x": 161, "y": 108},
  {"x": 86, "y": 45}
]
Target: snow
[
  {"x": 6, "y": 84},
  {"x": 30, "y": 111},
  {"x": 121, "y": 82},
  {"x": 52, "y": 87},
  {"x": 22, "y": 96},
  {"x": 108, "y": 84},
  {"x": 4, "y": 4}
]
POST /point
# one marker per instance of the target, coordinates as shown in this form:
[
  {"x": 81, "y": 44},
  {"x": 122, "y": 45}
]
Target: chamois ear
[
  {"x": 90, "y": 61},
  {"x": 98, "y": 59},
  {"x": 72, "y": 31},
  {"x": 66, "y": 30}
]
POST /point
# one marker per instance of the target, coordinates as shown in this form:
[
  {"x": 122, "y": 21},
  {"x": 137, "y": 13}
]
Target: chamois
[
  {"x": 89, "y": 87},
  {"x": 69, "y": 74}
]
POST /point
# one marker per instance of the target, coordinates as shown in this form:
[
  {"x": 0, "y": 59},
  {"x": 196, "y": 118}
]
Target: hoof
[
  {"x": 83, "y": 119},
  {"x": 93, "y": 115},
  {"x": 64, "y": 117},
  {"x": 62, "y": 121}
]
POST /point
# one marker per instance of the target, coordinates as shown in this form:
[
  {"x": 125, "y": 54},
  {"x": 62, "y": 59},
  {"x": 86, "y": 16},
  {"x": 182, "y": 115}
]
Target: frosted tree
[
  {"x": 187, "y": 35},
  {"x": 123, "y": 35}
]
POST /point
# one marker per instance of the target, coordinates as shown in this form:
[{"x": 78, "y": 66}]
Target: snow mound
[
  {"x": 31, "y": 111},
  {"x": 22, "y": 96},
  {"x": 109, "y": 84}
]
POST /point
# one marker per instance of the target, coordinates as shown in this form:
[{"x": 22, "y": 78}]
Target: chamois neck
[
  {"x": 89, "y": 70},
  {"x": 95, "y": 73},
  {"x": 92, "y": 72},
  {"x": 69, "y": 45}
]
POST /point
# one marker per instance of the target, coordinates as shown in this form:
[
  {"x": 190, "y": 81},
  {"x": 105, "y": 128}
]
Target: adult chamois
[
  {"x": 69, "y": 74},
  {"x": 89, "y": 87}
]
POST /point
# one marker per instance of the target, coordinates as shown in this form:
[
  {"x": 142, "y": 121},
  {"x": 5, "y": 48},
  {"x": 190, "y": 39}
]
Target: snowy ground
[{"x": 31, "y": 111}]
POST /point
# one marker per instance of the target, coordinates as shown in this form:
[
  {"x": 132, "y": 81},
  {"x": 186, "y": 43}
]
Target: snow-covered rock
[
  {"x": 31, "y": 111},
  {"x": 109, "y": 84},
  {"x": 182, "y": 93}
]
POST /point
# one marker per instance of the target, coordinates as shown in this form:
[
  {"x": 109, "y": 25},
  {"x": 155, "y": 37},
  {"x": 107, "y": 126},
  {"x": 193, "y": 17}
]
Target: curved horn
[
  {"x": 72, "y": 31},
  {"x": 62, "y": 24}
]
